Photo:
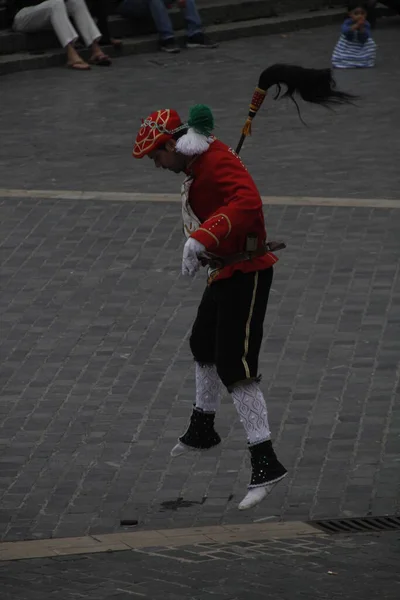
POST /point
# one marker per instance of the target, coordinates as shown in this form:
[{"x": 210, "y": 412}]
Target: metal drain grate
[{"x": 358, "y": 525}]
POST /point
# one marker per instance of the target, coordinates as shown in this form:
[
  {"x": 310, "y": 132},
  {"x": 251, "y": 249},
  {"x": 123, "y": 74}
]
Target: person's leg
[
  {"x": 200, "y": 434},
  {"x": 98, "y": 9},
  {"x": 161, "y": 19},
  {"x": 163, "y": 24},
  {"x": 243, "y": 301},
  {"x": 47, "y": 15},
  {"x": 192, "y": 18},
  {"x": 51, "y": 14},
  {"x": 87, "y": 28},
  {"x": 196, "y": 37},
  {"x": 134, "y": 9}
]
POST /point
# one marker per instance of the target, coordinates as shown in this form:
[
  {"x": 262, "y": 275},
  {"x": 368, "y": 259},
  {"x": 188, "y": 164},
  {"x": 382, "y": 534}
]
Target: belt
[{"x": 219, "y": 262}]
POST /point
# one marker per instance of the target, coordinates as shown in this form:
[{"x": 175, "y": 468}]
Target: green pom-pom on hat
[
  {"x": 198, "y": 137},
  {"x": 201, "y": 119}
]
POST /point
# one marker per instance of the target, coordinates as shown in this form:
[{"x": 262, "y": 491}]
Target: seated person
[
  {"x": 30, "y": 16},
  {"x": 159, "y": 11},
  {"x": 99, "y": 10}
]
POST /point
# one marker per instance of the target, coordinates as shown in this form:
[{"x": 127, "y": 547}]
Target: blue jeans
[{"x": 157, "y": 8}]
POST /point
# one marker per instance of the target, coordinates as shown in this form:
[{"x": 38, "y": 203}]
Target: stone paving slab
[
  {"x": 83, "y": 196},
  {"x": 97, "y": 379},
  {"x": 167, "y": 538},
  {"x": 63, "y": 130},
  {"x": 314, "y": 568}
]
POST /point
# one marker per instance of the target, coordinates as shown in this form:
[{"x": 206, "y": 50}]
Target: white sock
[
  {"x": 208, "y": 388},
  {"x": 252, "y": 410}
]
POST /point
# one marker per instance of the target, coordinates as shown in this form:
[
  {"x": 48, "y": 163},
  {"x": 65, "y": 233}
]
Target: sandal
[
  {"x": 116, "y": 44},
  {"x": 79, "y": 65},
  {"x": 101, "y": 60}
]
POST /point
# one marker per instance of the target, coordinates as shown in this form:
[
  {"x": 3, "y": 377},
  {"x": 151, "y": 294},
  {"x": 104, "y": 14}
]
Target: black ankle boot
[
  {"x": 201, "y": 433},
  {"x": 265, "y": 467}
]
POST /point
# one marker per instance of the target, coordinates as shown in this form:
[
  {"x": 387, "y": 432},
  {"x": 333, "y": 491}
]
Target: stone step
[
  {"x": 36, "y": 59},
  {"x": 236, "y": 9},
  {"x": 213, "y": 12}
]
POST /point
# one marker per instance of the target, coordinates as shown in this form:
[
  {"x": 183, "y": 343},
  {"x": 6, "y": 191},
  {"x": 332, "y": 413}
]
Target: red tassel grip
[{"x": 257, "y": 100}]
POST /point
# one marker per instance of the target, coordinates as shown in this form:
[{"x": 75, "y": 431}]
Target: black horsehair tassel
[{"x": 312, "y": 85}]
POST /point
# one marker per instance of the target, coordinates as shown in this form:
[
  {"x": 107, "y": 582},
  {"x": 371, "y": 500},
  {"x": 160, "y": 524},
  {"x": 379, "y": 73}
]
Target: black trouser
[
  {"x": 99, "y": 10},
  {"x": 228, "y": 329}
]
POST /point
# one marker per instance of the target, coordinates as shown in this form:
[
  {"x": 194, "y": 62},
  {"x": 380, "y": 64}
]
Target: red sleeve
[{"x": 242, "y": 201}]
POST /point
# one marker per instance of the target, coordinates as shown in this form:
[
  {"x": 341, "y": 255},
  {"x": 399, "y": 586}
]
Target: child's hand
[{"x": 361, "y": 23}]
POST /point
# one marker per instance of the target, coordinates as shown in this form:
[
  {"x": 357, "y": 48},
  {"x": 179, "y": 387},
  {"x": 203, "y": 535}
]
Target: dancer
[{"x": 224, "y": 225}]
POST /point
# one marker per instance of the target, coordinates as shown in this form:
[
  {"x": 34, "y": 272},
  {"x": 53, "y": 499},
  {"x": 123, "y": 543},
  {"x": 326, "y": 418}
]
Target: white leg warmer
[
  {"x": 208, "y": 388},
  {"x": 252, "y": 410}
]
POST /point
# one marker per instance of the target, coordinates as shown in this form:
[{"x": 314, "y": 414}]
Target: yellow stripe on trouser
[{"x": 247, "y": 337}]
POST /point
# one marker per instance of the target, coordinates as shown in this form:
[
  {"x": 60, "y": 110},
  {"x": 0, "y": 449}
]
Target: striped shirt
[{"x": 355, "y": 49}]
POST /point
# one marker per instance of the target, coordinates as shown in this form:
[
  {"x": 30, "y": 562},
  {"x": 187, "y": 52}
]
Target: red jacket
[{"x": 225, "y": 199}]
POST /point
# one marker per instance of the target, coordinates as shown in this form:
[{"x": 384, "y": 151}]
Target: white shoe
[
  {"x": 180, "y": 449},
  {"x": 256, "y": 495}
]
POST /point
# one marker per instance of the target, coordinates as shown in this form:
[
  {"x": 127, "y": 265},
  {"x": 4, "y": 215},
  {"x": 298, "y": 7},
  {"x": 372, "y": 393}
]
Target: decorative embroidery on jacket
[{"x": 190, "y": 222}]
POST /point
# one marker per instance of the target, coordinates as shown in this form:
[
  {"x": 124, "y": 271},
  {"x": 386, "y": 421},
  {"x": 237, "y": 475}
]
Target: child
[{"x": 355, "y": 48}]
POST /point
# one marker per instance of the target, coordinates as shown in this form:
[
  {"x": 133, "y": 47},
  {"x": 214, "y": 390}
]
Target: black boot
[
  {"x": 200, "y": 435},
  {"x": 265, "y": 467},
  {"x": 266, "y": 471}
]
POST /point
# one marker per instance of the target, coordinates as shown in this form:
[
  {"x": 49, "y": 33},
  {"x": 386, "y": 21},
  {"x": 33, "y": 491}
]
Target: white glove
[{"x": 190, "y": 261}]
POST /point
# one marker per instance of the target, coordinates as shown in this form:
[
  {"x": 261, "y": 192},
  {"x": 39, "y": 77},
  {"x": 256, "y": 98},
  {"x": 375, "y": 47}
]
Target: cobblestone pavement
[
  {"x": 317, "y": 569},
  {"x": 68, "y": 130},
  {"x": 97, "y": 379}
]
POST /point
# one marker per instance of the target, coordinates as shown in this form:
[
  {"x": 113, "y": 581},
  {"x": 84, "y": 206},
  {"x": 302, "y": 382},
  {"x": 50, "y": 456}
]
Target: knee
[
  {"x": 195, "y": 347},
  {"x": 76, "y": 3},
  {"x": 233, "y": 375},
  {"x": 201, "y": 353},
  {"x": 55, "y": 4}
]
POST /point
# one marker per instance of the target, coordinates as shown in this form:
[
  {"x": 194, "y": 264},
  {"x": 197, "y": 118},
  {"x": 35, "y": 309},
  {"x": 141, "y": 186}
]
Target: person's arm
[
  {"x": 364, "y": 33},
  {"x": 242, "y": 202},
  {"x": 348, "y": 28}
]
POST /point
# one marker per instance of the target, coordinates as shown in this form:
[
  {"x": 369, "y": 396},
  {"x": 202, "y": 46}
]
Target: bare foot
[
  {"x": 78, "y": 65},
  {"x": 74, "y": 61},
  {"x": 100, "y": 59}
]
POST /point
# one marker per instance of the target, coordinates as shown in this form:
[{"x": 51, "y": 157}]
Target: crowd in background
[{"x": 88, "y": 21}]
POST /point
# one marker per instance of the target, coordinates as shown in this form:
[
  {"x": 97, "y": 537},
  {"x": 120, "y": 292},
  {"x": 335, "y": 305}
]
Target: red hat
[{"x": 156, "y": 130}]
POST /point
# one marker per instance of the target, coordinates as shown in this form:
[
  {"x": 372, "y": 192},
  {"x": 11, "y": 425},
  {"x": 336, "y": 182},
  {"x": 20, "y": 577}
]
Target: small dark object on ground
[{"x": 128, "y": 522}]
